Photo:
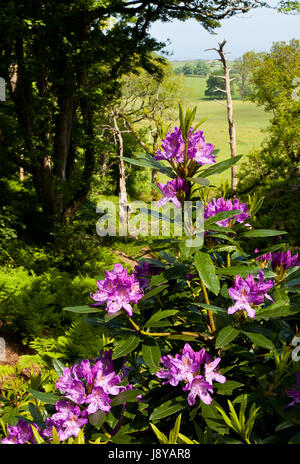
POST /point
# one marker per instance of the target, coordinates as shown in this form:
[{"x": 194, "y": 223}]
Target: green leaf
[
  {"x": 159, "y": 315},
  {"x": 260, "y": 340},
  {"x": 48, "y": 398},
  {"x": 262, "y": 233},
  {"x": 155, "y": 291},
  {"x": 39, "y": 440},
  {"x": 243, "y": 271},
  {"x": 82, "y": 309},
  {"x": 199, "y": 180},
  {"x": 227, "y": 387},
  {"x": 97, "y": 418},
  {"x": 295, "y": 440},
  {"x": 160, "y": 436},
  {"x": 168, "y": 408},
  {"x": 127, "y": 396},
  {"x": 221, "y": 216},
  {"x": 126, "y": 346},
  {"x": 226, "y": 336},
  {"x": 151, "y": 354},
  {"x": 221, "y": 167},
  {"x": 212, "y": 308},
  {"x": 173, "y": 435},
  {"x": 206, "y": 271},
  {"x": 213, "y": 418},
  {"x": 58, "y": 366}
]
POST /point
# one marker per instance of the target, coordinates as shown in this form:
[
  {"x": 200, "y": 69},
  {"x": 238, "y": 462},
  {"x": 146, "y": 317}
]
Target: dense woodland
[{"x": 88, "y": 114}]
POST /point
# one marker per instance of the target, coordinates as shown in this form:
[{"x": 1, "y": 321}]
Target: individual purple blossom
[
  {"x": 144, "y": 271},
  {"x": 170, "y": 191},
  {"x": 173, "y": 148},
  {"x": 98, "y": 399},
  {"x": 199, "y": 387},
  {"x": 118, "y": 290},
  {"x": 210, "y": 372},
  {"x": 181, "y": 367},
  {"x": 263, "y": 259},
  {"x": 67, "y": 421},
  {"x": 284, "y": 260},
  {"x": 294, "y": 393},
  {"x": 19, "y": 434},
  {"x": 248, "y": 293},
  {"x": 186, "y": 368},
  {"x": 219, "y": 205}
]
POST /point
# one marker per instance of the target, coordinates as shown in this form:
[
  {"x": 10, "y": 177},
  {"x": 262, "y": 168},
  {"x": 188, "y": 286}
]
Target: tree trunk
[
  {"x": 123, "y": 201},
  {"x": 231, "y": 127}
]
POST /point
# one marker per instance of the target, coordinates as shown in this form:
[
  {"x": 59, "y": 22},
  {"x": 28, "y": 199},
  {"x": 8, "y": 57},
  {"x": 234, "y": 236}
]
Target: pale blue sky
[{"x": 255, "y": 30}]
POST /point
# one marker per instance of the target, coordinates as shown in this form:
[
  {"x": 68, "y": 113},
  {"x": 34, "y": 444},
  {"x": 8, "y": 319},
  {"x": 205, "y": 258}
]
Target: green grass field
[{"x": 250, "y": 122}]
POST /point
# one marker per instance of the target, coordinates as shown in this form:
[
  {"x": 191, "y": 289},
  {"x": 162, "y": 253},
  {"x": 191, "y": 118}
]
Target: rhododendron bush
[{"x": 201, "y": 342}]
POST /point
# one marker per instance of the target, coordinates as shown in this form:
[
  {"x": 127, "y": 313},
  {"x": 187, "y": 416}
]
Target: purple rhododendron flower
[
  {"x": 67, "y": 421},
  {"x": 198, "y": 387},
  {"x": 186, "y": 368},
  {"x": 219, "y": 205},
  {"x": 118, "y": 290},
  {"x": 170, "y": 191},
  {"x": 173, "y": 147},
  {"x": 294, "y": 393},
  {"x": 248, "y": 293},
  {"x": 284, "y": 260},
  {"x": 210, "y": 372},
  {"x": 91, "y": 385},
  {"x": 19, "y": 434},
  {"x": 143, "y": 272},
  {"x": 263, "y": 259}
]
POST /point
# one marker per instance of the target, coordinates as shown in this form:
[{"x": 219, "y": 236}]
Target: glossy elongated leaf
[
  {"x": 151, "y": 354},
  {"x": 152, "y": 164},
  {"x": 221, "y": 216},
  {"x": 199, "y": 180},
  {"x": 127, "y": 396},
  {"x": 220, "y": 167},
  {"x": 155, "y": 291},
  {"x": 227, "y": 387},
  {"x": 263, "y": 233},
  {"x": 213, "y": 418},
  {"x": 48, "y": 398},
  {"x": 226, "y": 336},
  {"x": 238, "y": 270},
  {"x": 159, "y": 315},
  {"x": 126, "y": 346},
  {"x": 206, "y": 271},
  {"x": 58, "y": 366},
  {"x": 260, "y": 340},
  {"x": 168, "y": 408},
  {"x": 82, "y": 309},
  {"x": 213, "y": 309}
]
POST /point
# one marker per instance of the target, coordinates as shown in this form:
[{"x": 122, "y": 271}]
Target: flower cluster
[
  {"x": 88, "y": 387},
  {"x": 219, "y": 205},
  {"x": 294, "y": 393},
  {"x": 118, "y": 290},
  {"x": 186, "y": 368},
  {"x": 19, "y": 434},
  {"x": 282, "y": 260},
  {"x": 248, "y": 293},
  {"x": 173, "y": 148},
  {"x": 171, "y": 191}
]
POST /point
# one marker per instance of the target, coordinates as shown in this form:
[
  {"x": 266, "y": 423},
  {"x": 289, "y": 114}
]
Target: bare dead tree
[{"x": 231, "y": 126}]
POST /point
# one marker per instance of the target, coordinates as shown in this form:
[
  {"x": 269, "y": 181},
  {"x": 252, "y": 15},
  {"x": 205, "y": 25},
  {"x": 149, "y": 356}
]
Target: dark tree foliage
[{"x": 61, "y": 62}]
